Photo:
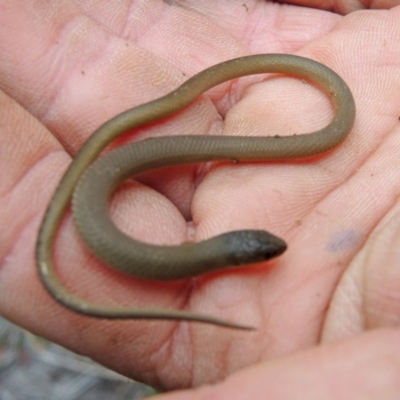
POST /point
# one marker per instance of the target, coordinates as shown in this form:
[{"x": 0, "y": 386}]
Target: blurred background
[{"x": 35, "y": 369}]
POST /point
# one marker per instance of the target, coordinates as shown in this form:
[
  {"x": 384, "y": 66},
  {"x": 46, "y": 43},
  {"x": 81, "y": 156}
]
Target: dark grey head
[{"x": 251, "y": 246}]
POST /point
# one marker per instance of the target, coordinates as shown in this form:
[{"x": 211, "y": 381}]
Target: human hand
[{"x": 74, "y": 65}]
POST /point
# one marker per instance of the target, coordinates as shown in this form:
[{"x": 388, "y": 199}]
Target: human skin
[{"x": 326, "y": 310}]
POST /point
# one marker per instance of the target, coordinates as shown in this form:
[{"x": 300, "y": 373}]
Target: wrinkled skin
[{"x": 66, "y": 67}]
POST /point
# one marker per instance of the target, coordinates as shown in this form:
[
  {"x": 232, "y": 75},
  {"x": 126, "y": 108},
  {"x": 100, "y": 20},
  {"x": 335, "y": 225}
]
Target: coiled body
[{"x": 95, "y": 180}]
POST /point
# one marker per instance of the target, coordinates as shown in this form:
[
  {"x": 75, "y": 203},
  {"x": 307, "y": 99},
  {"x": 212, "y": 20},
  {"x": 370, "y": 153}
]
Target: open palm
[{"x": 67, "y": 67}]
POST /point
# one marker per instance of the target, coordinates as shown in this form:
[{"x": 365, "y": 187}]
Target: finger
[
  {"x": 22, "y": 298},
  {"x": 364, "y": 367}
]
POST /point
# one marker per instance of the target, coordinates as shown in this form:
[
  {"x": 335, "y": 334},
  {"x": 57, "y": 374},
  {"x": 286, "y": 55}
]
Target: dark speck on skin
[{"x": 342, "y": 240}]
